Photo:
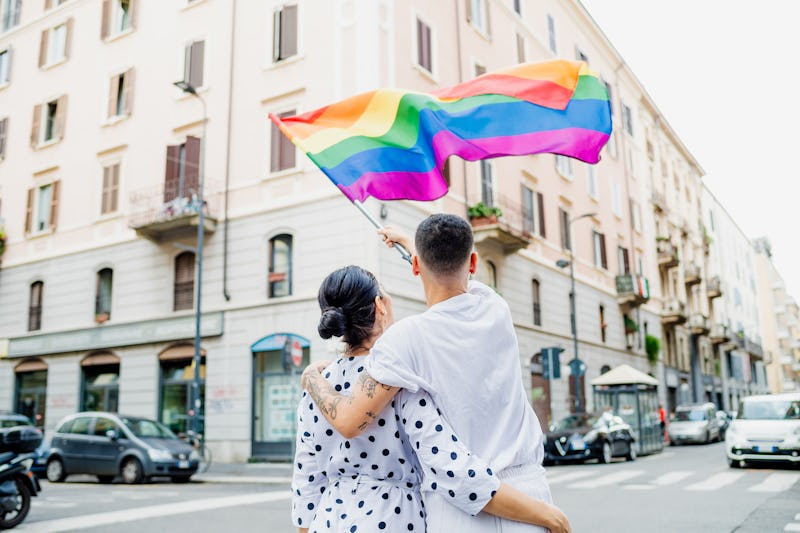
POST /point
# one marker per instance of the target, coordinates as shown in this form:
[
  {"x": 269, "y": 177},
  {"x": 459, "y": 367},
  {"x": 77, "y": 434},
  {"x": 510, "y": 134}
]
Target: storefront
[
  {"x": 277, "y": 361},
  {"x": 100, "y": 382},
  {"x": 176, "y": 385},
  {"x": 30, "y": 396}
]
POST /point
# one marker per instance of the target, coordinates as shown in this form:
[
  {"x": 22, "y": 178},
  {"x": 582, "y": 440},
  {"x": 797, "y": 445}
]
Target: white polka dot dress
[{"x": 372, "y": 482}]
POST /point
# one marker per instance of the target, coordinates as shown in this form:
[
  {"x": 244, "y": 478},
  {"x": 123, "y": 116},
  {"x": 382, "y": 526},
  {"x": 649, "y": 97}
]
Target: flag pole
[{"x": 403, "y": 252}]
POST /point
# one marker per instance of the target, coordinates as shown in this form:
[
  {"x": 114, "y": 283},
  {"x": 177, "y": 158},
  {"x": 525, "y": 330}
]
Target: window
[
  {"x": 108, "y": 201},
  {"x": 603, "y": 324},
  {"x": 580, "y": 56},
  {"x": 528, "y": 210},
  {"x": 55, "y": 44},
  {"x": 120, "y": 94},
  {"x": 31, "y": 390},
  {"x": 42, "y": 210},
  {"x": 182, "y": 178},
  {"x": 616, "y": 204},
  {"x": 3, "y": 137},
  {"x": 637, "y": 215},
  {"x": 518, "y": 7},
  {"x": 491, "y": 275},
  {"x": 49, "y": 121},
  {"x": 424, "y": 46},
  {"x": 183, "y": 291},
  {"x": 35, "y": 306},
  {"x": 478, "y": 15},
  {"x": 280, "y": 266},
  {"x": 599, "y": 240},
  {"x": 623, "y": 261},
  {"x": 566, "y": 240},
  {"x": 5, "y": 66},
  {"x": 117, "y": 17},
  {"x": 193, "y": 63},
  {"x": 479, "y": 69},
  {"x": 520, "y": 48},
  {"x": 564, "y": 166},
  {"x": 446, "y": 171},
  {"x": 540, "y": 205},
  {"x": 537, "y": 304},
  {"x": 551, "y": 34},
  {"x": 591, "y": 178},
  {"x": 282, "y": 151},
  {"x": 177, "y": 380},
  {"x": 487, "y": 183},
  {"x": 627, "y": 119},
  {"x": 612, "y": 144},
  {"x": 102, "y": 303},
  {"x": 10, "y": 13},
  {"x": 610, "y": 94},
  {"x": 284, "y": 36},
  {"x": 100, "y": 388}
]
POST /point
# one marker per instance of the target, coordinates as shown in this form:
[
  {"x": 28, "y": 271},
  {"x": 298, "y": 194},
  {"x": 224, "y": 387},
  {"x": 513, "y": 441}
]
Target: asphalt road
[{"x": 688, "y": 489}]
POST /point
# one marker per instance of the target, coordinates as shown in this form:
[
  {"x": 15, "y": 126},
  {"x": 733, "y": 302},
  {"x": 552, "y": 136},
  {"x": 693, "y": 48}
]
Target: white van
[{"x": 766, "y": 428}]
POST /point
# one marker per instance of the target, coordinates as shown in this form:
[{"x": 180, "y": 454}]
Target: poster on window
[{"x": 281, "y": 404}]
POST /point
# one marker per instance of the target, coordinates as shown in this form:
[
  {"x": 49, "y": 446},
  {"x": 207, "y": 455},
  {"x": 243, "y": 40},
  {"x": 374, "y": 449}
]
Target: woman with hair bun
[{"x": 373, "y": 482}]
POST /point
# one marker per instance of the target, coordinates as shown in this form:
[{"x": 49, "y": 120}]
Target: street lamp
[
  {"x": 561, "y": 263},
  {"x": 189, "y": 89}
]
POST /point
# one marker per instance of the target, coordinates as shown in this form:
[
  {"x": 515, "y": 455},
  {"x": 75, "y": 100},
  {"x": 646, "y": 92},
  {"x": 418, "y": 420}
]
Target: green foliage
[
  {"x": 652, "y": 345},
  {"x": 481, "y": 210},
  {"x": 630, "y": 325}
]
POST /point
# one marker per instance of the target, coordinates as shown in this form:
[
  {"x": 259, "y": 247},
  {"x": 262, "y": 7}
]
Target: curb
[{"x": 255, "y": 480}]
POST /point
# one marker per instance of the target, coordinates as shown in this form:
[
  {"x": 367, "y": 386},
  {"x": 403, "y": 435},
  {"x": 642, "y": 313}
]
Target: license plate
[
  {"x": 183, "y": 464},
  {"x": 578, "y": 446},
  {"x": 761, "y": 449}
]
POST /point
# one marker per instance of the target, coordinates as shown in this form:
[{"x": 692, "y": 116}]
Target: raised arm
[{"x": 349, "y": 414}]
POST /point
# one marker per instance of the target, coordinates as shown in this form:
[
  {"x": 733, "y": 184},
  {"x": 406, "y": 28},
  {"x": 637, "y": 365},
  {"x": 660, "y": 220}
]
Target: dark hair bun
[{"x": 332, "y": 323}]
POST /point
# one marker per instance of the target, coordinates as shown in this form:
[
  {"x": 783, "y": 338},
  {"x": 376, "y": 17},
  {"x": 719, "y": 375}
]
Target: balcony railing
[
  {"x": 714, "y": 287},
  {"x": 659, "y": 201},
  {"x": 753, "y": 347},
  {"x": 632, "y": 289},
  {"x": 674, "y": 312},
  {"x": 691, "y": 274},
  {"x": 512, "y": 231},
  {"x": 160, "y": 220},
  {"x": 698, "y": 324},
  {"x": 667, "y": 255},
  {"x": 719, "y": 334}
]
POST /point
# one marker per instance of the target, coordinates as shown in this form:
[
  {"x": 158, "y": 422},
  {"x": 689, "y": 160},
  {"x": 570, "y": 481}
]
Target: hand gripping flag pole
[{"x": 400, "y": 248}]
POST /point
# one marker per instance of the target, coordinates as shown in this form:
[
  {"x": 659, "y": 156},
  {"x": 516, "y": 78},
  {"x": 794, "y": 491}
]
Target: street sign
[
  {"x": 550, "y": 360},
  {"x": 297, "y": 353}
]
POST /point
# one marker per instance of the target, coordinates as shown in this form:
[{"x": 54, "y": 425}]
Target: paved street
[{"x": 683, "y": 489}]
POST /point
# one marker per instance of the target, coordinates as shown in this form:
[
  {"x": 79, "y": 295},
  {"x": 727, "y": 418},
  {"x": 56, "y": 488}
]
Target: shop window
[
  {"x": 177, "y": 379},
  {"x": 100, "y": 383},
  {"x": 31, "y": 390}
]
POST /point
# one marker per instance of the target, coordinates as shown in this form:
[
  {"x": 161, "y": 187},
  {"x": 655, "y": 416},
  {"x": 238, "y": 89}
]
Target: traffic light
[{"x": 550, "y": 359}]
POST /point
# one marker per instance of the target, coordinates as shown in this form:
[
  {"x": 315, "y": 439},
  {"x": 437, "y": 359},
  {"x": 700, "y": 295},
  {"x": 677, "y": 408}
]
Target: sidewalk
[{"x": 257, "y": 473}]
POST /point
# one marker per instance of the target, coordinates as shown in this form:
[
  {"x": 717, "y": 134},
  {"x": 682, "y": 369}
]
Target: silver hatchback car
[
  {"x": 107, "y": 445},
  {"x": 766, "y": 428}
]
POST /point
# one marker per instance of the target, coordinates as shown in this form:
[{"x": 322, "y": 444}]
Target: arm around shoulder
[{"x": 512, "y": 504}]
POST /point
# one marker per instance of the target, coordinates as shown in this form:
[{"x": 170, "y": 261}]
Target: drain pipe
[{"x": 225, "y": 292}]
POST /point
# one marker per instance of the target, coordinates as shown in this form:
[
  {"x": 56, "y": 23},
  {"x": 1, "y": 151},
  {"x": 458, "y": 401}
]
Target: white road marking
[
  {"x": 129, "y": 515},
  {"x": 570, "y": 476},
  {"x": 671, "y": 478},
  {"x": 792, "y": 527},
  {"x": 634, "y": 486},
  {"x": 716, "y": 481},
  {"x": 608, "y": 479},
  {"x": 797, "y": 516},
  {"x": 775, "y": 483}
]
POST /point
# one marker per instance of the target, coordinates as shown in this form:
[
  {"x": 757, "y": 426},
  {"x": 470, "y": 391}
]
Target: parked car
[
  {"x": 694, "y": 423},
  {"x": 581, "y": 437},
  {"x": 10, "y": 419},
  {"x": 766, "y": 428},
  {"x": 107, "y": 445},
  {"x": 724, "y": 421}
]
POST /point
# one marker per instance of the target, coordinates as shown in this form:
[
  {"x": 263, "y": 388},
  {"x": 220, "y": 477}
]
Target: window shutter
[
  {"x": 48, "y": 4},
  {"x": 427, "y": 54},
  {"x": 196, "y": 66},
  {"x": 191, "y": 181},
  {"x": 113, "y": 193},
  {"x": 520, "y": 48},
  {"x": 68, "y": 40},
  {"x": 37, "y": 120},
  {"x": 9, "y": 56},
  {"x": 603, "y": 260},
  {"x": 540, "y": 199},
  {"x": 289, "y": 31},
  {"x": 106, "y": 186},
  {"x": 275, "y": 148},
  {"x": 43, "y": 48},
  {"x": 61, "y": 116},
  {"x": 287, "y": 156},
  {"x": 276, "y": 36},
  {"x": 171, "y": 174},
  {"x": 105, "y": 22},
  {"x": 183, "y": 291},
  {"x": 127, "y": 91},
  {"x": 29, "y": 211},
  {"x": 420, "y": 44},
  {"x": 132, "y": 13},
  {"x": 54, "y": 205},
  {"x": 113, "y": 91},
  {"x": 487, "y": 8},
  {"x": 3, "y": 128}
]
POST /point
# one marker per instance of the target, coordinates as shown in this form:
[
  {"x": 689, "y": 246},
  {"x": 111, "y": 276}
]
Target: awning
[
  {"x": 30, "y": 365},
  {"x": 277, "y": 341},
  {"x": 624, "y": 375},
  {"x": 179, "y": 352},
  {"x": 97, "y": 359}
]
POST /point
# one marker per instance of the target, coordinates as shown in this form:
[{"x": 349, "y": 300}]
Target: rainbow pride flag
[{"x": 391, "y": 144}]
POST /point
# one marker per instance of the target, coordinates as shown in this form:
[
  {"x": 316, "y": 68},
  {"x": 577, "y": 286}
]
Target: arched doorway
[
  {"x": 540, "y": 392},
  {"x": 276, "y": 391},
  {"x": 177, "y": 381},
  {"x": 30, "y": 395},
  {"x": 100, "y": 382}
]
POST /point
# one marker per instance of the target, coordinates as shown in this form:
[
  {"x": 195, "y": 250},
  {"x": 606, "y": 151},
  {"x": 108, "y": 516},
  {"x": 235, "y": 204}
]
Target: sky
[{"x": 726, "y": 76}]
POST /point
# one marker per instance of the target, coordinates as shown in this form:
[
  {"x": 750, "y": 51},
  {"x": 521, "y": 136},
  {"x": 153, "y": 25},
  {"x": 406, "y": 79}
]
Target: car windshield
[
  {"x": 690, "y": 415},
  {"x": 575, "y": 422},
  {"x": 141, "y": 427},
  {"x": 772, "y": 409}
]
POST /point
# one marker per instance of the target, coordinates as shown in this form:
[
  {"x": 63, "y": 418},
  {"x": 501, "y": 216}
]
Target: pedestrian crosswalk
[{"x": 592, "y": 478}]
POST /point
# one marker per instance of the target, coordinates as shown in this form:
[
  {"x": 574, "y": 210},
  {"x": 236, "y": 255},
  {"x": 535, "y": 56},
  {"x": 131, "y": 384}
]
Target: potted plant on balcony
[
  {"x": 652, "y": 345},
  {"x": 101, "y": 317},
  {"x": 2, "y": 240},
  {"x": 481, "y": 214}
]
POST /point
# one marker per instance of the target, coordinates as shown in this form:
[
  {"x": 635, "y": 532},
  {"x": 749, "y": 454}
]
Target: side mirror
[{"x": 112, "y": 434}]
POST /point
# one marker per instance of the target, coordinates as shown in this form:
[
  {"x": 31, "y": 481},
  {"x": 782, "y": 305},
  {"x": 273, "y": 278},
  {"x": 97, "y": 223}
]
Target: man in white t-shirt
[{"x": 463, "y": 351}]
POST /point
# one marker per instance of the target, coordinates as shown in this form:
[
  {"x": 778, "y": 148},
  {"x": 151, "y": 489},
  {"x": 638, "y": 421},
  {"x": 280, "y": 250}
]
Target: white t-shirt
[{"x": 464, "y": 353}]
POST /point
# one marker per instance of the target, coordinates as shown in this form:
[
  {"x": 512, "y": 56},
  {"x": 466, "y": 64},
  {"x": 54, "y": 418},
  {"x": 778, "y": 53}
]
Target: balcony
[
  {"x": 698, "y": 324},
  {"x": 691, "y": 274},
  {"x": 753, "y": 347},
  {"x": 659, "y": 201},
  {"x": 719, "y": 334},
  {"x": 632, "y": 289},
  {"x": 511, "y": 231},
  {"x": 674, "y": 313},
  {"x": 159, "y": 220},
  {"x": 667, "y": 255},
  {"x": 714, "y": 287}
]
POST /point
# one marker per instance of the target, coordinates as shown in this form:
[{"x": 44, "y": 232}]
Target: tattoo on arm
[
  {"x": 368, "y": 385},
  {"x": 324, "y": 395}
]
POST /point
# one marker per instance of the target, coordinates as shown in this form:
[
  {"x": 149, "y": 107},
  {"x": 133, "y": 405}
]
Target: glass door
[
  {"x": 177, "y": 378},
  {"x": 31, "y": 395}
]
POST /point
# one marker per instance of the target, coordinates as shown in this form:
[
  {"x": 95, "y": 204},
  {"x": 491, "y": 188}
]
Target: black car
[{"x": 580, "y": 437}]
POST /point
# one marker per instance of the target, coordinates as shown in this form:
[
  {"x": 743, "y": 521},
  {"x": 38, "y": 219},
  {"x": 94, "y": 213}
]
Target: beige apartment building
[{"x": 100, "y": 166}]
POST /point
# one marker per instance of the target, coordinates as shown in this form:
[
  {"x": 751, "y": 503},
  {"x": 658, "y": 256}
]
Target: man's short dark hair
[{"x": 444, "y": 243}]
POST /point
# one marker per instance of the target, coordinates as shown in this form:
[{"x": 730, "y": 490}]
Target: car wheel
[
  {"x": 181, "y": 479},
  {"x": 631, "y": 456},
  {"x": 734, "y": 463},
  {"x": 105, "y": 480},
  {"x": 132, "y": 471},
  {"x": 605, "y": 454},
  {"x": 55, "y": 470}
]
